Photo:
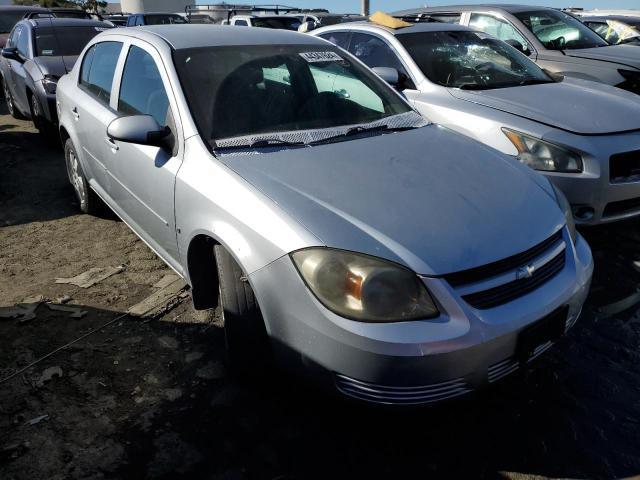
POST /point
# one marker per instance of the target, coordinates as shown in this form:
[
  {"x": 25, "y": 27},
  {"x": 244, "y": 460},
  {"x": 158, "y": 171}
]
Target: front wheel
[
  {"x": 44, "y": 127},
  {"x": 246, "y": 337},
  {"x": 89, "y": 201}
]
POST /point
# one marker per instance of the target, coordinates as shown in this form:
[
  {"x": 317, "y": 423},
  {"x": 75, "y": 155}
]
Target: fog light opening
[{"x": 583, "y": 213}]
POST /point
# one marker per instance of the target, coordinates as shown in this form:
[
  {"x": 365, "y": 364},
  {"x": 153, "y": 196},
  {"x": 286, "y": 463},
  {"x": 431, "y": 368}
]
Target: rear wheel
[
  {"x": 89, "y": 201},
  {"x": 246, "y": 337},
  {"x": 13, "y": 111}
]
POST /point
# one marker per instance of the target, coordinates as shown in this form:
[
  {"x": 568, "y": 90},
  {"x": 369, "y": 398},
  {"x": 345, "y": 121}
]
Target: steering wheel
[
  {"x": 559, "y": 42},
  {"x": 484, "y": 66}
]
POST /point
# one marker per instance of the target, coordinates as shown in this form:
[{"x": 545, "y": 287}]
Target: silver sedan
[
  {"x": 584, "y": 136},
  {"x": 340, "y": 231}
]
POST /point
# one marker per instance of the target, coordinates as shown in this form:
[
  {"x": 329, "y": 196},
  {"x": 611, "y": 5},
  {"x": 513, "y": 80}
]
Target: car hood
[
  {"x": 431, "y": 199},
  {"x": 623, "y": 54},
  {"x": 56, "y": 66},
  {"x": 576, "y": 106}
]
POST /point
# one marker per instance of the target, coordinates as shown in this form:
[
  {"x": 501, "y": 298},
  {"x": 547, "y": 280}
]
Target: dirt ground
[{"x": 152, "y": 399}]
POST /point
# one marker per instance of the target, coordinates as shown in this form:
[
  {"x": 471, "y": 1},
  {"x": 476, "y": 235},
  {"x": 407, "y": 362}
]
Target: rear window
[{"x": 55, "y": 42}]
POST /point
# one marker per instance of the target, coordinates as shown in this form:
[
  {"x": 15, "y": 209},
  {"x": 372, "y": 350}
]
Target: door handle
[
  {"x": 113, "y": 145},
  {"x": 74, "y": 112}
]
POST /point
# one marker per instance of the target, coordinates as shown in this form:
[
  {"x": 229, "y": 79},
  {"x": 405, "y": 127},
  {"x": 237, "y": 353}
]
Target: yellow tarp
[{"x": 386, "y": 20}]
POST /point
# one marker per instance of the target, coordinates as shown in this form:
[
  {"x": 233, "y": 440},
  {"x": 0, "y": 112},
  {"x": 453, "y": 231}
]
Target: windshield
[
  {"x": 264, "y": 89},
  {"x": 558, "y": 31},
  {"x": 283, "y": 23},
  {"x": 9, "y": 19},
  {"x": 55, "y": 42},
  {"x": 470, "y": 60},
  {"x": 163, "y": 19}
]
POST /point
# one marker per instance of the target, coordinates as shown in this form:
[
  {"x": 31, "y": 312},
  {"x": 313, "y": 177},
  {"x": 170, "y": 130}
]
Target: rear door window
[
  {"x": 98, "y": 68},
  {"x": 142, "y": 91}
]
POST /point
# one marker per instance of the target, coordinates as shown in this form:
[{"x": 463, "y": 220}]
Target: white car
[{"x": 584, "y": 136}]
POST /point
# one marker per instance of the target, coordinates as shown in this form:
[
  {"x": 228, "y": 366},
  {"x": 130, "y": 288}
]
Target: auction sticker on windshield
[{"x": 314, "y": 57}]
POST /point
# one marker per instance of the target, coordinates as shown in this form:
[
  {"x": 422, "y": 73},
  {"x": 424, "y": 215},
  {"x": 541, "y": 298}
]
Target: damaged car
[
  {"x": 38, "y": 52},
  {"x": 584, "y": 136},
  {"x": 386, "y": 257}
]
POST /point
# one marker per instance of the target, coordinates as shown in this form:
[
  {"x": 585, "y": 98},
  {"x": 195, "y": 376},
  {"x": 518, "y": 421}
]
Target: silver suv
[
  {"x": 555, "y": 40},
  {"x": 340, "y": 231}
]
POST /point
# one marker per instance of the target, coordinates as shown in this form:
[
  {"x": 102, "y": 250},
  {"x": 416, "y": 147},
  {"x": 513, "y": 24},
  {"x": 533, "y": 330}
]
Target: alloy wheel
[{"x": 77, "y": 179}]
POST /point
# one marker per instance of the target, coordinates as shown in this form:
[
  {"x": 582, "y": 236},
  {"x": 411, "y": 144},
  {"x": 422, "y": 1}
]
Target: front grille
[
  {"x": 507, "y": 292},
  {"x": 619, "y": 208},
  {"x": 624, "y": 167},
  {"x": 371, "y": 392},
  {"x": 501, "y": 266},
  {"x": 502, "y": 369}
]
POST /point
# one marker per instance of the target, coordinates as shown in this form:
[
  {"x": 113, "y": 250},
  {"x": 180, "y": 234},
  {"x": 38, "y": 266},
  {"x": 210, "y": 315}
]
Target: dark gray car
[
  {"x": 555, "y": 40},
  {"x": 38, "y": 52}
]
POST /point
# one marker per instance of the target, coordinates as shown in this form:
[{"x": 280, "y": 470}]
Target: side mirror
[
  {"x": 389, "y": 75},
  {"x": 11, "y": 53},
  {"x": 518, "y": 46},
  {"x": 142, "y": 130}
]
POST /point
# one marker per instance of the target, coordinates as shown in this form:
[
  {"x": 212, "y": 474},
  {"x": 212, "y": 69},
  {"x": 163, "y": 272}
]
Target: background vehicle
[
  {"x": 582, "y": 135},
  {"x": 555, "y": 40},
  {"x": 37, "y": 54},
  {"x": 313, "y": 20},
  {"x": 615, "y": 29},
  {"x": 119, "y": 20},
  {"x": 10, "y": 15},
  {"x": 237, "y": 150},
  {"x": 73, "y": 13},
  {"x": 283, "y": 22},
  {"x": 139, "y": 19}
]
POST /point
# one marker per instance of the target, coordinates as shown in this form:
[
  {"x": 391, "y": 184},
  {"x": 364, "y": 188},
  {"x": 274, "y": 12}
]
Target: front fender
[{"x": 214, "y": 201}]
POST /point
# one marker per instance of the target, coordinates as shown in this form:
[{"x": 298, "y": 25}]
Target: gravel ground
[{"x": 152, "y": 399}]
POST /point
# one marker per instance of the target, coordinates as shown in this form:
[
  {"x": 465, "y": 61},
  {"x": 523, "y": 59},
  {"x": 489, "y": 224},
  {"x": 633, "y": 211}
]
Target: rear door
[
  {"x": 92, "y": 111},
  {"x": 143, "y": 176}
]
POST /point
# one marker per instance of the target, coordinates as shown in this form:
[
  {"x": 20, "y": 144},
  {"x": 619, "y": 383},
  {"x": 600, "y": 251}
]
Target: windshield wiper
[
  {"x": 262, "y": 143},
  {"x": 473, "y": 86},
  {"x": 360, "y": 130}
]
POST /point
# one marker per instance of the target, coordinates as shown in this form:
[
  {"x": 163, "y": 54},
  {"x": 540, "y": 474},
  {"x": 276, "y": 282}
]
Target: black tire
[
  {"x": 88, "y": 200},
  {"x": 246, "y": 338},
  {"x": 8, "y": 100},
  {"x": 45, "y": 128}
]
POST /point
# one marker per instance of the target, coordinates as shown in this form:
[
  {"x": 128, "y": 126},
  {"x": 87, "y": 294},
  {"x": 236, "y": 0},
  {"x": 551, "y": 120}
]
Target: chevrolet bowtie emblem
[{"x": 525, "y": 272}]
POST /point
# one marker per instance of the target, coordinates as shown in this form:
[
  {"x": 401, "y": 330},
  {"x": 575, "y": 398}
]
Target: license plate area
[{"x": 548, "y": 329}]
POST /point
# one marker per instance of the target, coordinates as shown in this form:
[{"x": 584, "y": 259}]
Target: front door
[{"x": 144, "y": 176}]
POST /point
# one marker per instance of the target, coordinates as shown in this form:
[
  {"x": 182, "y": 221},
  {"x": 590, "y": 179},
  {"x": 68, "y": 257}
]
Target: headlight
[
  {"x": 364, "y": 288},
  {"x": 544, "y": 156},
  {"x": 50, "y": 84},
  {"x": 563, "y": 203},
  {"x": 631, "y": 80}
]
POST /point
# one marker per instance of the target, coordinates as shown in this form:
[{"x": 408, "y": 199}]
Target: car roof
[
  {"x": 66, "y": 22},
  {"x": 417, "y": 28},
  {"x": 195, "y": 36},
  {"x": 507, "y": 7},
  {"x": 22, "y": 8}
]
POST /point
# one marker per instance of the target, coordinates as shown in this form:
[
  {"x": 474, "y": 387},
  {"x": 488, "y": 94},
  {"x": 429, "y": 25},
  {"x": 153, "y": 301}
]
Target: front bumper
[
  {"x": 594, "y": 197},
  {"x": 412, "y": 362}
]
